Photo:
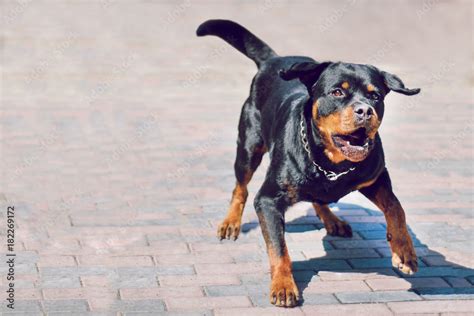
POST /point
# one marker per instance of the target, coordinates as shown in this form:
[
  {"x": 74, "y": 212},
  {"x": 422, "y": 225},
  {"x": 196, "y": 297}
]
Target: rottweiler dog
[{"x": 318, "y": 121}]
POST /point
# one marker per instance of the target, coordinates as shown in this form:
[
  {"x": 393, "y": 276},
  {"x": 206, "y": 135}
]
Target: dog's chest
[{"x": 326, "y": 191}]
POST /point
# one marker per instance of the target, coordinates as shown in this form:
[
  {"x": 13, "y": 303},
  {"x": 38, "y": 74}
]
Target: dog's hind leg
[
  {"x": 333, "y": 224},
  {"x": 250, "y": 150}
]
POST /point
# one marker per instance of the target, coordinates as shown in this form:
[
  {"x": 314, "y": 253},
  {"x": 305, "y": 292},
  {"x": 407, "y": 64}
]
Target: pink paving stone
[
  {"x": 93, "y": 221},
  {"x": 113, "y": 261},
  {"x": 79, "y": 293},
  {"x": 257, "y": 311},
  {"x": 224, "y": 246},
  {"x": 166, "y": 247},
  {"x": 56, "y": 261},
  {"x": 356, "y": 275},
  {"x": 27, "y": 294},
  {"x": 336, "y": 286},
  {"x": 162, "y": 292},
  {"x": 194, "y": 258},
  {"x": 198, "y": 280},
  {"x": 463, "y": 306},
  {"x": 207, "y": 302},
  {"x": 347, "y": 309},
  {"x": 112, "y": 230},
  {"x": 157, "y": 249},
  {"x": 101, "y": 304},
  {"x": 231, "y": 268},
  {"x": 95, "y": 281}
]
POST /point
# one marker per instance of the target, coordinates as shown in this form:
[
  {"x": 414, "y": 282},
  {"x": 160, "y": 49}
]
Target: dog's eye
[
  {"x": 337, "y": 93},
  {"x": 375, "y": 96}
]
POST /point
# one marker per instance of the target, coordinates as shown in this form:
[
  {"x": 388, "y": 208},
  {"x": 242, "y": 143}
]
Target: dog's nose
[{"x": 363, "y": 112}]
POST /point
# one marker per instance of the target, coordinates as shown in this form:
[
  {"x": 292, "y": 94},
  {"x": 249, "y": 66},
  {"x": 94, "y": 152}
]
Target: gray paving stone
[
  {"x": 236, "y": 290},
  {"x": 375, "y": 263},
  {"x": 23, "y": 306},
  {"x": 317, "y": 265},
  {"x": 65, "y": 305},
  {"x": 444, "y": 272},
  {"x": 350, "y": 253},
  {"x": 319, "y": 299},
  {"x": 48, "y": 282},
  {"x": 172, "y": 313},
  {"x": 446, "y": 293},
  {"x": 128, "y": 306},
  {"x": 345, "y": 244},
  {"x": 376, "y": 297}
]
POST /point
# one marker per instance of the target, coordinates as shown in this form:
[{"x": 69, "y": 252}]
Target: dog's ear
[
  {"x": 307, "y": 72},
  {"x": 396, "y": 84}
]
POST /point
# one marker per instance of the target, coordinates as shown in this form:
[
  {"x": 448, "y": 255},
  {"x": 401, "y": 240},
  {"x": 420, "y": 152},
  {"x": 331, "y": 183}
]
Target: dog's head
[{"x": 347, "y": 104}]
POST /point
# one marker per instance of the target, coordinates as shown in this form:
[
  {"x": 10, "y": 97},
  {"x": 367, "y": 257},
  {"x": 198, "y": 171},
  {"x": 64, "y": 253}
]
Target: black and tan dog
[{"x": 318, "y": 121}]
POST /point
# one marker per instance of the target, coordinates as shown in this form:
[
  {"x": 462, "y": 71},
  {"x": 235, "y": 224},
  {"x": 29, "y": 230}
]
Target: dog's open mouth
[{"x": 355, "y": 146}]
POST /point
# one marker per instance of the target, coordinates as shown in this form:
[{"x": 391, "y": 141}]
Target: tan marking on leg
[
  {"x": 403, "y": 252},
  {"x": 230, "y": 227},
  {"x": 283, "y": 289},
  {"x": 333, "y": 224}
]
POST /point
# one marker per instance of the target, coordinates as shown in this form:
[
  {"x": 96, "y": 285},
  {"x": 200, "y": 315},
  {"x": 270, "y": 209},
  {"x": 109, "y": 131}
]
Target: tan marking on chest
[{"x": 365, "y": 184}]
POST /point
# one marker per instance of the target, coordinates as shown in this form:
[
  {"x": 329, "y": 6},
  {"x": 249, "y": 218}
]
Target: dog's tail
[{"x": 239, "y": 37}]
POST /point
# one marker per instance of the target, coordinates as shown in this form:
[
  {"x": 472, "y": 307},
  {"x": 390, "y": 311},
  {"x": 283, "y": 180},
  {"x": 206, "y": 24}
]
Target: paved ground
[{"x": 118, "y": 131}]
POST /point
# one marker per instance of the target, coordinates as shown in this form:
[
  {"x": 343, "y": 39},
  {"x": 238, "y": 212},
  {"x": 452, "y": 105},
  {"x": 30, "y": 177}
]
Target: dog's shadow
[{"x": 368, "y": 255}]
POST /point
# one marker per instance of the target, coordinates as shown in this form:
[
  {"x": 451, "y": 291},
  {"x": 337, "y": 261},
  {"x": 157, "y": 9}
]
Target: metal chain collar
[{"x": 330, "y": 175}]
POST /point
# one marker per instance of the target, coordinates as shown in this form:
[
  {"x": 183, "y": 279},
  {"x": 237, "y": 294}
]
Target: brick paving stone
[
  {"x": 357, "y": 275},
  {"x": 257, "y": 311},
  {"x": 336, "y": 286},
  {"x": 162, "y": 292},
  {"x": 317, "y": 264},
  {"x": 194, "y": 258},
  {"x": 60, "y": 282},
  {"x": 234, "y": 268},
  {"x": 458, "y": 282},
  {"x": 57, "y": 261},
  {"x": 341, "y": 253},
  {"x": 432, "y": 307},
  {"x": 72, "y": 305},
  {"x": 199, "y": 280},
  {"x": 154, "y": 306},
  {"x": 26, "y": 306},
  {"x": 405, "y": 284},
  {"x": 347, "y": 309},
  {"x": 207, "y": 302},
  {"x": 375, "y": 297},
  {"x": 345, "y": 244},
  {"x": 172, "y": 313},
  {"x": 263, "y": 299},
  {"x": 444, "y": 272},
  {"x": 447, "y": 293}
]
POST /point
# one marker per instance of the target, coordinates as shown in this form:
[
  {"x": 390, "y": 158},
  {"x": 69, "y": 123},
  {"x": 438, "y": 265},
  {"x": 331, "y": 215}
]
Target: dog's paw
[
  {"x": 404, "y": 256},
  {"x": 337, "y": 227},
  {"x": 230, "y": 228},
  {"x": 283, "y": 291}
]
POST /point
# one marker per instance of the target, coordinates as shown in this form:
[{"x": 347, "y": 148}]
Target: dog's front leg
[
  {"x": 403, "y": 252},
  {"x": 270, "y": 211}
]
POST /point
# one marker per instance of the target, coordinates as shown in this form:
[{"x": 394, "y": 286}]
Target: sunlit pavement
[{"x": 118, "y": 131}]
